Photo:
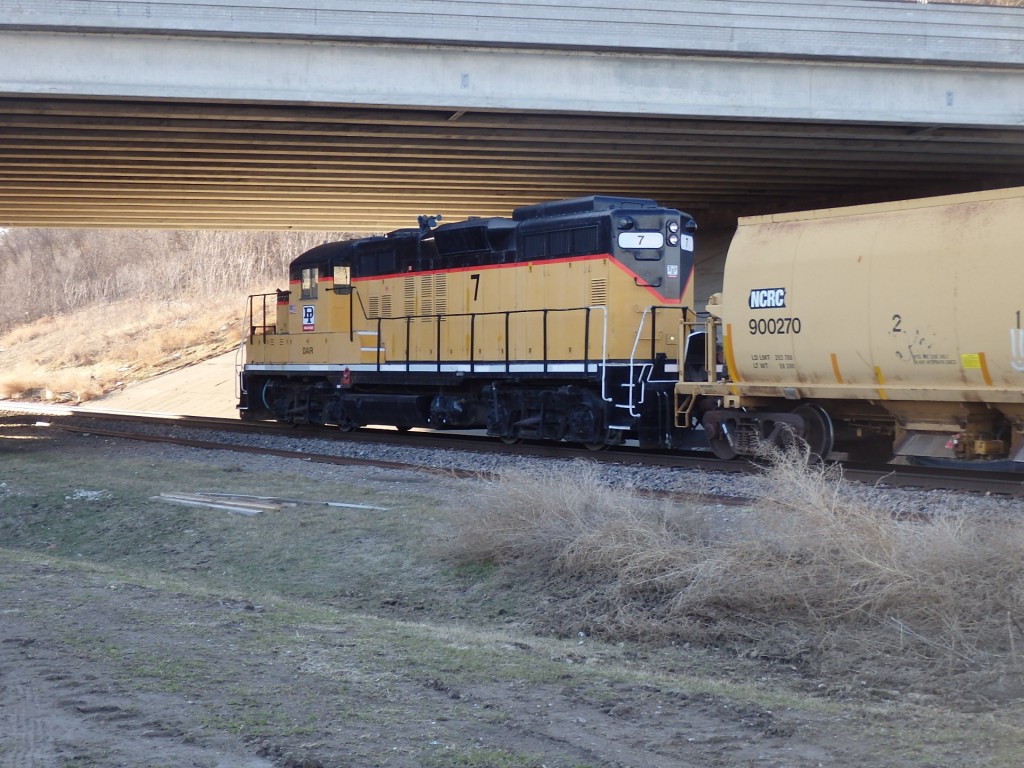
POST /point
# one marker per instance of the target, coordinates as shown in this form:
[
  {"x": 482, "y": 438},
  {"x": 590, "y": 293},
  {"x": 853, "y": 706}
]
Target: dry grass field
[{"x": 548, "y": 620}]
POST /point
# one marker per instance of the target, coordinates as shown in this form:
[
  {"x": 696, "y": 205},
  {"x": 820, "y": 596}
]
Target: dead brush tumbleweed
[{"x": 810, "y": 572}]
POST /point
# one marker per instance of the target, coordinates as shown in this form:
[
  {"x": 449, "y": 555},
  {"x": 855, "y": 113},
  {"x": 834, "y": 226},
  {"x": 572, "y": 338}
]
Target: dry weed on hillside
[
  {"x": 84, "y": 354},
  {"x": 83, "y": 312}
]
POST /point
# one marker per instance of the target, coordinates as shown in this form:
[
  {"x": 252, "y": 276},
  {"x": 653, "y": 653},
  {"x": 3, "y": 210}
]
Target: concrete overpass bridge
[{"x": 358, "y": 115}]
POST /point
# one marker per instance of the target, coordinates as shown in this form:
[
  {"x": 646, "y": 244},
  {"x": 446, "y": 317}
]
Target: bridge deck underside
[{"x": 167, "y": 164}]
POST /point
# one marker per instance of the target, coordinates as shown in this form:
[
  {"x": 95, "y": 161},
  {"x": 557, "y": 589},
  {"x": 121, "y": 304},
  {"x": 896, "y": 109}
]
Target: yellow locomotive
[{"x": 559, "y": 323}]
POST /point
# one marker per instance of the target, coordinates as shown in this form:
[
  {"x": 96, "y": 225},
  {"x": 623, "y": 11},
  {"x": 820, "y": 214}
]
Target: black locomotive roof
[
  {"x": 479, "y": 222},
  {"x": 474, "y": 235},
  {"x": 344, "y": 251},
  {"x": 322, "y": 254},
  {"x": 587, "y": 204},
  {"x": 406, "y": 232},
  {"x": 469, "y": 236}
]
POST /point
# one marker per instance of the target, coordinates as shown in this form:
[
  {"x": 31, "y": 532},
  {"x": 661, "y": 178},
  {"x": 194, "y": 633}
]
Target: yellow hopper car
[{"x": 895, "y": 325}]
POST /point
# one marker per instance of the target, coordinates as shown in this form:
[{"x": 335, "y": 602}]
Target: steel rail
[{"x": 888, "y": 475}]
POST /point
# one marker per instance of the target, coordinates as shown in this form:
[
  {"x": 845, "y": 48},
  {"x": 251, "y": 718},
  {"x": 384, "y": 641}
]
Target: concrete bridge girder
[{"x": 315, "y": 72}]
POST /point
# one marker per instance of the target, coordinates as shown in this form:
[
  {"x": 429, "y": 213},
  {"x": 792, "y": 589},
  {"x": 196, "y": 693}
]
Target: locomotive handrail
[
  {"x": 708, "y": 325},
  {"x": 264, "y": 328},
  {"x": 507, "y": 315},
  {"x": 636, "y": 281},
  {"x": 651, "y": 310}
]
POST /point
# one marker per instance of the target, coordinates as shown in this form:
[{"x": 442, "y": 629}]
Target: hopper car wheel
[
  {"x": 818, "y": 431},
  {"x": 510, "y": 440},
  {"x": 595, "y": 447},
  {"x": 720, "y": 445}
]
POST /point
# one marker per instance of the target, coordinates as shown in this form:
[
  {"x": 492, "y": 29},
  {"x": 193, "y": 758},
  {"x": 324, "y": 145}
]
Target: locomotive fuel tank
[{"x": 906, "y": 312}]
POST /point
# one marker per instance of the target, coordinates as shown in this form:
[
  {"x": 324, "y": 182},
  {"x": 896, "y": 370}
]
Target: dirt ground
[{"x": 136, "y": 632}]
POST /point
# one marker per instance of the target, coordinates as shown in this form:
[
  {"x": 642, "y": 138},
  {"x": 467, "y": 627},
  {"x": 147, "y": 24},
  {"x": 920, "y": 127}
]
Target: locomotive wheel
[
  {"x": 818, "y": 431},
  {"x": 595, "y": 447},
  {"x": 510, "y": 440}
]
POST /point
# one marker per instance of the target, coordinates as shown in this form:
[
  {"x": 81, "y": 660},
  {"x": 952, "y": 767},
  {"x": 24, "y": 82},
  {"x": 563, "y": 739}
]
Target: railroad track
[{"x": 103, "y": 423}]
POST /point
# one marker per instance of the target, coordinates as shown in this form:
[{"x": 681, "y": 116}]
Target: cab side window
[
  {"x": 310, "y": 277},
  {"x": 342, "y": 278}
]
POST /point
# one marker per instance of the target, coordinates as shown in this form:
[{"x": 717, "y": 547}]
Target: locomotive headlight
[
  {"x": 673, "y": 239},
  {"x": 673, "y": 226},
  {"x": 626, "y": 222}
]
